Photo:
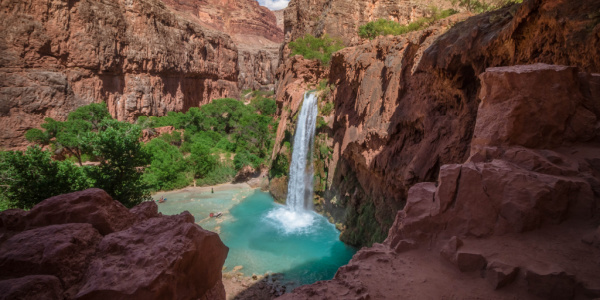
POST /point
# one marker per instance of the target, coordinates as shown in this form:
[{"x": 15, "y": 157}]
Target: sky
[{"x": 274, "y": 4}]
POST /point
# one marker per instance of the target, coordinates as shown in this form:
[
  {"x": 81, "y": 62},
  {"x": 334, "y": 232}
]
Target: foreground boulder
[{"x": 85, "y": 245}]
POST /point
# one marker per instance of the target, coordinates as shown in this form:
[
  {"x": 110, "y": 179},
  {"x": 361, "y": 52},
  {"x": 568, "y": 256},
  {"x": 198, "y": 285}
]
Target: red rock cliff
[
  {"x": 341, "y": 18},
  {"x": 139, "y": 57},
  {"x": 254, "y": 29}
]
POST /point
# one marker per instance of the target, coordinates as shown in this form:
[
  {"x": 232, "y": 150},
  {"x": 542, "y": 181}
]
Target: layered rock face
[
  {"x": 255, "y": 30},
  {"x": 235, "y": 17},
  {"x": 341, "y": 18},
  {"x": 85, "y": 245},
  {"x": 138, "y": 57},
  {"x": 519, "y": 216},
  {"x": 406, "y": 105}
]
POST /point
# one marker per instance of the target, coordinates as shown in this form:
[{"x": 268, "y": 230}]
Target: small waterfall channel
[{"x": 297, "y": 215}]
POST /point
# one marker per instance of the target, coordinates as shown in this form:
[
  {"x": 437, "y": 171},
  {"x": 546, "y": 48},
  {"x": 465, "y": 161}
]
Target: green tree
[
  {"x": 202, "y": 160},
  {"x": 67, "y": 136},
  {"x": 93, "y": 113},
  {"x": 29, "y": 177},
  {"x": 122, "y": 157},
  {"x": 168, "y": 168}
]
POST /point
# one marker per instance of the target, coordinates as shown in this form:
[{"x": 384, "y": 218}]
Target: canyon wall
[
  {"x": 341, "y": 18},
  {"x": 404, "y": 106},
  {"x": 140, "y": 57},
  {"x": 137, "y": 56},
  {"x": 254, "y": 29}
]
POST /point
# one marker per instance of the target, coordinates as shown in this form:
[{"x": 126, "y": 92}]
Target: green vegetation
[
  {"x": 311, "y": 47},
  {"x": 386, "y": 27},
  {"x": 89, "y": 132},
  {"x": 362, "y": 226},
  {"x": 477, "y": 6},
  {"x": 221, "y": 138},
  {"x": 28, "y": 177},
  {"x": 210, "y": 145}
]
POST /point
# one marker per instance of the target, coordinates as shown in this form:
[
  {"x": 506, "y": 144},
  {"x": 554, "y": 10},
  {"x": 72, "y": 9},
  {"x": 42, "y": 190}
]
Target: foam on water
[{"x": 291, "y": 221}]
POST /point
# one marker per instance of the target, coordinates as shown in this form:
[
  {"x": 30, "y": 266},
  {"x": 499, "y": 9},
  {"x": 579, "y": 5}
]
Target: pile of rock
[{"x": 85, "y": 245}]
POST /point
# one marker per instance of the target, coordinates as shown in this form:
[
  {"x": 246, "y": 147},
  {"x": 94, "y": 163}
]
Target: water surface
[{"x": 252, "y": 228}]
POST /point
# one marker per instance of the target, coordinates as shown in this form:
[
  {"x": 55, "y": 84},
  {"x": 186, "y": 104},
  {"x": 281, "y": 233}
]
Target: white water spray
[
  {"x": 300, "y": 185},
  {"x": 297, "y": 214}
]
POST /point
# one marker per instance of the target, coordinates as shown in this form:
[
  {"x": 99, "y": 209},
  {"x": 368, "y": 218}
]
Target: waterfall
[
  {"x": 300, "y": 185},
  {"x": 297, "y": 215}
]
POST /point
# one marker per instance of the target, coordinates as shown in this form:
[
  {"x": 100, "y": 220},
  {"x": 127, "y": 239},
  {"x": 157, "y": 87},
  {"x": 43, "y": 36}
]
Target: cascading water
[
  {"x": 298, "y": 215},
  {"x": 300, "y": 185}
]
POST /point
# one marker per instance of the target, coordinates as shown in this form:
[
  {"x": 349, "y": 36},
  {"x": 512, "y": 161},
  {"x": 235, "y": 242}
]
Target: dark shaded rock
[
  {"x": 450, "y": 248},
  {"x": 35, "y": 287},
  {"x": 145, "y": 210},
  {"x": 468, "y": 262},
  {"x": 60, "y": 250},
  {"x": 500, "y": 275},
  {"x": 160, "y": 258},
  {"x": 550, "y": 284},
  {"x": 93, "y": 206}
]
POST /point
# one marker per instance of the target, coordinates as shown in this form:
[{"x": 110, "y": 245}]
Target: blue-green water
[{"x": 259, "y": 238}]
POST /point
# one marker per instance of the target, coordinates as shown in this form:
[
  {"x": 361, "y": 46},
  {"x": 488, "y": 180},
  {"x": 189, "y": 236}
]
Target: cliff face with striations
[
  {"x": 233, "y": 17},
  {"x": 405, "y": 106},
  {"x": 253, "y": 28},
  {"x": 139, "y": 57}
]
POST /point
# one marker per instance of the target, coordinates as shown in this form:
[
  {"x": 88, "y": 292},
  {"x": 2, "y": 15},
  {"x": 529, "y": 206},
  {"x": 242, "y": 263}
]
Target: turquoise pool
[{"x": 259, "y": 235}]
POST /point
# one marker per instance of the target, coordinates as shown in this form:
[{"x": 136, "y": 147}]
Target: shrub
[
  {"x": 202, "y": 160},
  {"x": 386, "y": 27},
  {"x": 168, "y": 169},
  {"x": 246, "y": 158},
  {"x": 311, "y": 47},
  {"x": 27, "y": 178},
  {"x": 121, "y": 155}
]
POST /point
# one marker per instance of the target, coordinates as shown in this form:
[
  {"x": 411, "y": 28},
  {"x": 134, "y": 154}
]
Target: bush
[
  {"x": 202, "y": 160},
  {"x": 264, "y": 106},
  {"x": 246, "y": 158},
  {"x": 311, "y": 47},
  {"x": 223, "y": 172},
  {"x": 168, "y": 169},
  {"x": 386, "y": 27},
  {"x": 29, "y": 177},
  {"x": 121, "y": 155}
]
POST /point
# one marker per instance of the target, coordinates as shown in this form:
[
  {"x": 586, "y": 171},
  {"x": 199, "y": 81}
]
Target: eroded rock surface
[{"x": 85, "y": 245}]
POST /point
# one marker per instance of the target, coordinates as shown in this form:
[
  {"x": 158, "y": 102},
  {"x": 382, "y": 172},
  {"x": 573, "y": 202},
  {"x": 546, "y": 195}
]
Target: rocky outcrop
[
  {"x": 85, "y": 245},
  {"x": 150, "y": 133},
  {"x": 341, "y": 18},
  {"x": 139, "y": 57},
  {"x": 520, "y": 191},
  {"x": 257, "y": 68}
]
